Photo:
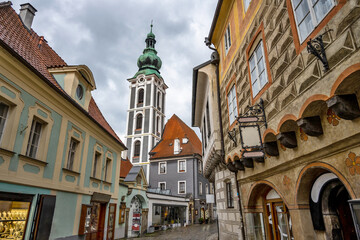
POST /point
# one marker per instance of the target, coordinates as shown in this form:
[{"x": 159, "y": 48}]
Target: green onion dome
[{"x": 149, "y": 59}]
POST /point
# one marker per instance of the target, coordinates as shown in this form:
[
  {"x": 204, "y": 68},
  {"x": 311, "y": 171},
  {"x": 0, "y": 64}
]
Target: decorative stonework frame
[
  {"x": 43, "y": 115},
  {"x": 108, "y": 169},
  {"x": 98, "y": 150},
  {"x": 75, "y": 134},
  {"x": 11, "y": 97}
]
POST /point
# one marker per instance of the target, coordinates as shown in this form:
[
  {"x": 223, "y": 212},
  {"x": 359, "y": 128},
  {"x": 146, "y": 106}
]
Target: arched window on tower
[
  {"x": 138, "y": 122},
  {"x": 137, "y": 149},
  {"x": 141, "y": 96},
  {"x": 158, "y": 126},
  {"x": 159, "y": 101}
]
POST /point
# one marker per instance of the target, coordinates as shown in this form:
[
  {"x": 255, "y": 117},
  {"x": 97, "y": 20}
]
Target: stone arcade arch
[
  {"x": 324, "y": 194},
  {"x": 267, "y": 214}
]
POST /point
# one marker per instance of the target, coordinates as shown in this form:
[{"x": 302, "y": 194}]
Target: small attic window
[
  {"x": 177, "y": 146},
  {"x": 185, "y": 140},
  {"x": 79, "y": 92}
]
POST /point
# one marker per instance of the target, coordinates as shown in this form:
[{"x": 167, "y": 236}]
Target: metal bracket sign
[
  {"x": 316, "y": 47},
  {"x": 249, "y": 128}
]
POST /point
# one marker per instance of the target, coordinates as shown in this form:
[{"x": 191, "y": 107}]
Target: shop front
[
  {"x": 25, "y": 216},
  {"x": 164, "y": 215},
  {"x": 92, "y": 219},
  {"x": 14, "y": 214},
  {"x": 168, "y": 211}
]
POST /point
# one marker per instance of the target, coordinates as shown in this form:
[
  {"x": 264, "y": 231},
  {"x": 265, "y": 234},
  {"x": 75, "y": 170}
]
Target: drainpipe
[
  {"x": 242, "y": 229},
  {"x": 216, "y": 63}
]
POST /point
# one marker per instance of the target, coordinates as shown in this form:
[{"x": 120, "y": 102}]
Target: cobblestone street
[{"x": 193, "y": 232}]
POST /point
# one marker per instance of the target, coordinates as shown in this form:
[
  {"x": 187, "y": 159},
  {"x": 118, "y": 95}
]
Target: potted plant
[{"x": 201, "y": 220}]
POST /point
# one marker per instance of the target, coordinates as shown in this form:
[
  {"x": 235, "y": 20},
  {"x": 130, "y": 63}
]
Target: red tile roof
[
  {"x": 125, "y": 167},
  {"x": 33, "y": 50},
  {"x": 176, "y": 128}
]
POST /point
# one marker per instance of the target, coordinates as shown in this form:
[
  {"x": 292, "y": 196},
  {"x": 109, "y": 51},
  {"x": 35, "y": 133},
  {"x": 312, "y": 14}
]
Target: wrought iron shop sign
[
  {"x": 316, "y": 47},
  {"x": 249, "y": 128}
]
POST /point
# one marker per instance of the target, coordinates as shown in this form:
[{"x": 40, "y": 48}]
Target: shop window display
[
  {"x": 13, "y": 219},
  {"x": 255, "y": 226}
]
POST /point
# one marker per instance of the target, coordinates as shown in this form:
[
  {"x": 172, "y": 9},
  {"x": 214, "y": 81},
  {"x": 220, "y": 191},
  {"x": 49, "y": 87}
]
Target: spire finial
[{"x": 151, "y": 25}]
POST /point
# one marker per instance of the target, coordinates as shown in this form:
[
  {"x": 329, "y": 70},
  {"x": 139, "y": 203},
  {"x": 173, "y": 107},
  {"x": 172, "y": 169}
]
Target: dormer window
[
  {"x": 79, "y": 92},
  {"x": 78, "y": 84},
  {"x": 177, "y": 149},
  {"x": 185, "y": 140}
]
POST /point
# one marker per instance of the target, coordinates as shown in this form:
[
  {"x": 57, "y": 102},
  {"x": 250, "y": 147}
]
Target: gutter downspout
[
  {"x": 216, "y": 63},
  {"x": 242, "y": 229}
]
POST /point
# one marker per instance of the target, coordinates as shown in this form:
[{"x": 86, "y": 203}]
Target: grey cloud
[{"x": 108, "y": 36}]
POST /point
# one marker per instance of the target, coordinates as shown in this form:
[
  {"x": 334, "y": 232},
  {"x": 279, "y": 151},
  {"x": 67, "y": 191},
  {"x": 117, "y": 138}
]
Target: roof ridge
[{"x": 104, "y": 118}]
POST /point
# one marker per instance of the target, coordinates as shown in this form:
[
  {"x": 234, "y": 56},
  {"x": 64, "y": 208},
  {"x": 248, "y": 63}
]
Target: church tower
[{"x": 145, "y": 117}]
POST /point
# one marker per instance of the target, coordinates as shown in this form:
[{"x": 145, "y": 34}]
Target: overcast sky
[{"x": 108, "y": 36}]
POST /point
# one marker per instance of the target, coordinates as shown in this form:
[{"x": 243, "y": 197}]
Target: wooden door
[
  {"x": 144, "y": 220},
  {"x": 100, "y": 233},
  {"x": 126, "y": 222},
  {"x": 111, "y": 221}
]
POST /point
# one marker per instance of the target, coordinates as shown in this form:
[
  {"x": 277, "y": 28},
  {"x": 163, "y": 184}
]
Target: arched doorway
[
  {"x": 278, "y": 221},
  {"x": 135, "y": 217},
  {"x": 329, "y": 207},
  {"x": 267, "y": 215}
]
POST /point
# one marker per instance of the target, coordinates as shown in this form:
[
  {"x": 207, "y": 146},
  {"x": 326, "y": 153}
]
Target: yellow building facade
[
  {"x": 302, "y": 187},
  {"x": 59, "y": 158}
]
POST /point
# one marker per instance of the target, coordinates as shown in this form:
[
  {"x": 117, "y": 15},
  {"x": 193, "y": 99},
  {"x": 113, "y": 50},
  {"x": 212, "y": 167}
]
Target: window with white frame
[
  {"x": 181, "y": 166},
  {"x": 162, "y": 167},
  {"x": 309, "y": 13},
  {"x": 181, "y": 187},
  {"x": 107, "y": 173},
  {"x": 227, "y": 39},
  {"x": 246, "y": 4},
  {"x": 162, "y": 185},
  {"x": 34, "y": 138},
  {"x": 3, "y": 116},
  {"x": 258, "y": 72},
  {"x": 206, "y": 189},
  {"x": 71, "y": 154},
  {"x": 200, "y": 166},
  {"x": 200, "y": 188},
  {"x": 177, "y": 148},
  {"x": 232, "y": 105}
]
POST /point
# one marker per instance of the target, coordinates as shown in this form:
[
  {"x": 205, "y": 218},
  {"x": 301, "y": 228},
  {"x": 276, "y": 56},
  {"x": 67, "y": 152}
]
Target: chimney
[{"x": 27, "y": 13}]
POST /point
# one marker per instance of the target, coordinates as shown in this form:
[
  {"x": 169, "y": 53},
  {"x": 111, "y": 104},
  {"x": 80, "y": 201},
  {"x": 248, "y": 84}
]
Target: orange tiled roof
[
  {"x": 34, "y": 51},
  {"x": 176, "y": 128},
  {"x": 125, "y": 167}
]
